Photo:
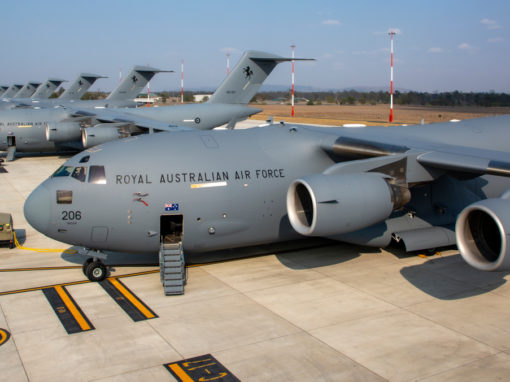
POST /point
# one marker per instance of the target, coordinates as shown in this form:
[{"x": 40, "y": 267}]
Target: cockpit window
[
  {"x": 63, "y": 171},
  {"x": 85, "y": 159},
  {"x": 97, "y": 175},
  {"x": 80, "y": 173},
  {"x": 64, "y": 197}
]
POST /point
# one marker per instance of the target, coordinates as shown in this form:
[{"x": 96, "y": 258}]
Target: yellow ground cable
[{"x": 68, "y": 251}]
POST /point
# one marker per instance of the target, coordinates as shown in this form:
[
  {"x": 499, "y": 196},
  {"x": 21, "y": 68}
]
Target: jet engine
[
  {"x": 328, "y": 205},
  {"x": 92, "y": 136},
  {"x": 63, "y": 131},
  {"x": 482, "y": 233}
]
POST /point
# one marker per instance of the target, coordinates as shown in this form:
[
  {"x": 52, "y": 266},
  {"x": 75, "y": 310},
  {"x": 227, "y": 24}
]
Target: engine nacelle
[
  {"x": 329, "y": 205},
  {"x": 96, "y": 135},
  {"x": 482, "y": 232},
  {"x": 63, "y": 131}
]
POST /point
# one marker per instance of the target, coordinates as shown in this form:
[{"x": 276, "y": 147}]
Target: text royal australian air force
[{"x": 200, "y": 176}]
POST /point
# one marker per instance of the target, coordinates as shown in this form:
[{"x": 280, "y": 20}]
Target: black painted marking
[
  {"x": 202, "y": 368},
  {"x": 4, "y": 336},
  {"x": 69, "y": 313},
  {"x": 127, "y": 300}
]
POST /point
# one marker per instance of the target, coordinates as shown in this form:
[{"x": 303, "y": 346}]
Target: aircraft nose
[{"x": 37, "y": 208}]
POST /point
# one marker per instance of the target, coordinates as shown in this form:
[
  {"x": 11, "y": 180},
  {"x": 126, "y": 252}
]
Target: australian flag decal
[{"x": 171, "y": 206}]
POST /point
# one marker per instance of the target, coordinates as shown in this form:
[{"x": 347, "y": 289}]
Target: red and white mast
[
  {"x": 292, "y": 94},
  {"x": 392, "y": 33},
  {"x": 228, "y": 63},
  {"x": 120, "y": 75},
  {"x": 182, "y": 81}
]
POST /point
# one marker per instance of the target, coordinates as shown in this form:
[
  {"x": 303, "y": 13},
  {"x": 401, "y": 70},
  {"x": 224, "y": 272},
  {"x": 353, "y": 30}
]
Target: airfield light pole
[
  {"x": 228, "y": 63},
  {"x": 392, "y": 34},
  {"x": 292, "y": 94},
  {"x": 182, "y": 81},
  {"x": 120, "y": 75},
  {"x": 148, "y": 93}
]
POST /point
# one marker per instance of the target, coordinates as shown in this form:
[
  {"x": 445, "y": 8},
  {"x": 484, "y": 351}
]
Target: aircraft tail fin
[
  {"x": 12, "y": 90},
  {"x": 27, "y": 90},
  {"x": 245, "y": 79},
  {"x": 80, "y": 86},
  {"x": 3, "y": 89},
  {"x": 134, "y": 83},
  {"x": 47, "y": 88}
]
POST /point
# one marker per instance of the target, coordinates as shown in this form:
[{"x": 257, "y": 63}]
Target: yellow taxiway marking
[
  {"x": 147, "y": 313},
  {"x": 72, "y": 309},
  {"x": 40, "y": 268},
  {"x": 180, "y": 373},
  {"x": 72, "y": 283},
  {"x": 4, "y": 336}
]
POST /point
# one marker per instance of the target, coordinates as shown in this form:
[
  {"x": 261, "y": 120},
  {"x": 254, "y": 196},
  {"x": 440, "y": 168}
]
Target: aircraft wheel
[
  {"x": 86, "y": 264},
  {"x": 96, "y": 271}
]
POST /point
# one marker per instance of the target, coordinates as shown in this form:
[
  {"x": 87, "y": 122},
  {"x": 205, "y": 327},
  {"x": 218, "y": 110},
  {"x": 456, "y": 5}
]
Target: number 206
[{"x": 71, "y": 215}]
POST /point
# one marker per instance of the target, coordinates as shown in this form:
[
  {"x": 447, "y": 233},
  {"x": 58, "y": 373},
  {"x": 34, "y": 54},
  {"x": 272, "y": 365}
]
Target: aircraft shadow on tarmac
[
  {"x": 451, "y": 278},
  {"x": 445, "y": 278}
]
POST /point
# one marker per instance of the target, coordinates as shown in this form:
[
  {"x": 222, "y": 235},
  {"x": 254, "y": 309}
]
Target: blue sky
[{"x": 441, "y": 46}]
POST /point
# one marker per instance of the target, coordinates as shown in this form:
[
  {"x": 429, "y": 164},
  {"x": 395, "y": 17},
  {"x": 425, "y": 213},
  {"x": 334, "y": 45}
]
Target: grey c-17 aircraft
[
  {"x": 424, "y": 186},
  {"x": 52, "y": 130},
  {"x": 74, "y": 93},
  {"x": 43, "y": 91}
]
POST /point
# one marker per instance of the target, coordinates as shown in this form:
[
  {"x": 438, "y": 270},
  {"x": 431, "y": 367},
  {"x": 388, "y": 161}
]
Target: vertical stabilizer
[
  {"x": 133, "y": 83},
  {"x": 245, "y": 79},
  {"x": 80, "y": 86},
  {"x": 47, "y": 88},
  {"x": 3, "y": 89},
  {"x": 12, "y": 90},
  {"x": 27, "y": 90}
]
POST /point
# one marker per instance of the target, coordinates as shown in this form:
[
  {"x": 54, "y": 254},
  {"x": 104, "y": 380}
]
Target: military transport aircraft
[
  {"x": 425, "y": 186},
  {"x": 66, "y": 128},
  {"x": 26, "y": 129},
  {"x": 41, "y": 99}
]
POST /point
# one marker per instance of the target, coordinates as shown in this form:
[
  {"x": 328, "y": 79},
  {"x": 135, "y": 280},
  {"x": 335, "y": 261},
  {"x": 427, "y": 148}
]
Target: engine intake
[
  {"x": 96, "y": 135},
  {"x": 63, "y": 131},
  {"x": 329, "y": 205},
  {"x": 482, "y": 231}
]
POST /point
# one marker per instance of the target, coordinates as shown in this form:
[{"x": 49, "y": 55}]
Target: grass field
[{"x": 372, "y": 114}]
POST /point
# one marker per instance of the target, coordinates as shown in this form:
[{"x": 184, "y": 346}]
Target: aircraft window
[
  {"x": 80, "y": 173},
  {"x": 85, "y": 159},
  {"x": 97, "y": 175},
  {"x": 63, "y": 171},
  {"x": 64, "y": 197}
]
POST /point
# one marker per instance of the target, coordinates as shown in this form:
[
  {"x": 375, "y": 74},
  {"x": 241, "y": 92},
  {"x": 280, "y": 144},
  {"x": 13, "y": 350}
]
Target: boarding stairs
[
  {"x": 11, "y": 151},
  {"x": 172, "y": 267}
]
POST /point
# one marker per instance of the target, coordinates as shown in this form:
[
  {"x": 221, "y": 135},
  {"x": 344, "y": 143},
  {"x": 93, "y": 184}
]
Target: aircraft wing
[
  {"x": 128, "y": 119},
  {"x": 415, "y": 164}
]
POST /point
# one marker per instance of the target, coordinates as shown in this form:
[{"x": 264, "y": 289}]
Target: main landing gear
[{"x": 94, "y": 269}]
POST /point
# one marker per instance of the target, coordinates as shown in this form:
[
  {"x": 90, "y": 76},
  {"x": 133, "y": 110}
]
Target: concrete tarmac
[{"x": 332, "y": 313}]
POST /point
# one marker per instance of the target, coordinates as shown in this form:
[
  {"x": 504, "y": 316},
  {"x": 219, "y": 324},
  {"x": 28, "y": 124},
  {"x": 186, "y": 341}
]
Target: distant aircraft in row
[{"x": 84, "y": 124}]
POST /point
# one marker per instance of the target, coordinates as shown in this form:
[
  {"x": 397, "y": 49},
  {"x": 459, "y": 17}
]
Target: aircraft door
[
  {"x": 11, "y": 141},
  {"x": 171, "y": 228}
]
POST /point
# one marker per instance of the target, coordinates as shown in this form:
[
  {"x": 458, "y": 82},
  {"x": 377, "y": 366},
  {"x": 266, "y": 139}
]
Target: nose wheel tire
[{"x": 96, "y": 271}]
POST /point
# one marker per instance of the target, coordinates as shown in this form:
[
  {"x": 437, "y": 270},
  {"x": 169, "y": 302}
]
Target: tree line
[{"x": 353, "y": 97}]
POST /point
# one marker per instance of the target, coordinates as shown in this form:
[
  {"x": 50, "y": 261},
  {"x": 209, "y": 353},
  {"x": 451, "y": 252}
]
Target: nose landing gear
[{"x": 94, "y": 269}]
